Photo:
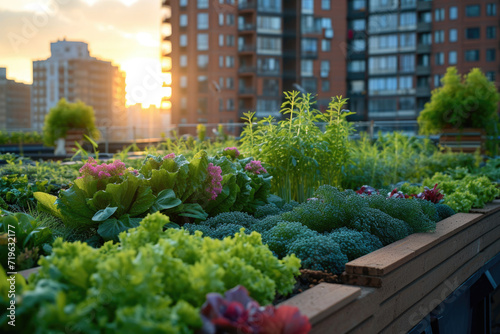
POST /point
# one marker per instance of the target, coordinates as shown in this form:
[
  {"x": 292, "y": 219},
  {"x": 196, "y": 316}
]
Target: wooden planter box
[
  {"x": 466, "y": 140},
  {"x": 392, "y": 289},
  {"x": 72, "y": 136}
]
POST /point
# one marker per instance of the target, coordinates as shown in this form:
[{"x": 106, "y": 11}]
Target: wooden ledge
[
  {"x": 489, "y": 208},
  {"x": 323, "y": 300},
  {"x": 390, "y": 257}
]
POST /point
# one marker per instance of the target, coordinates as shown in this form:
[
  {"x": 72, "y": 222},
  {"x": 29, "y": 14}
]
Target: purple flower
[
  {"x": 169, "y": 156},
  {"x": 255, "y": 167},
  {"x": 102, "y": 171},
  {"x": 213, "y": 185},
  {"x": 231, "y": 152}
]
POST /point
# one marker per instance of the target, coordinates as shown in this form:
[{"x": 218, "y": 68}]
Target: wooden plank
[
  {"x": 390, "y": 257},
  {"x": 324, "y": 299},
  {"x": 489, "y": 208},
  {"x": 27, "y": 273},
  {"x": 404, "y": 299},
  {"x": 351, "y": 315},
  {"x": 420, "y": 309},
  {"x": 428, "y": 260}
]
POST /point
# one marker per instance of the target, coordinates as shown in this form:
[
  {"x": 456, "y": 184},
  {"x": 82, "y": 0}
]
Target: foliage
[
  {"x": 235, "y": 217},
  {"x": 236, "y": 311},
  {"x": 201, "y": 131},
  {"x": 318, "y": 215},
  {"x": 471, "y": 101},
  {"x": 319, "y": 253},
  {"x": 300, "y": 156},
  {"x": 65, "y": 116},
  {"x": 283, "y": 234},
  {"x": 355, "y": 243},
  {"x": 31, "y": 240},
  {"x": 444, "y": 211},
  {"x": 153, "y": 281},
  {"x": 20, "y": 137}
]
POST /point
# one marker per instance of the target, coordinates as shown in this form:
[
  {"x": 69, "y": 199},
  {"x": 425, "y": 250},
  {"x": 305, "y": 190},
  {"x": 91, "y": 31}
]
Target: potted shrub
[
  {"x": 463, "y": 106},
  {"x": 69, "y": 120}
]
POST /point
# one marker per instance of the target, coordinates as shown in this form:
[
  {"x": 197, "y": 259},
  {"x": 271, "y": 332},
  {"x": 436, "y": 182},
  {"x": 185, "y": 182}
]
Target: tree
[
  {"x": 468, "y": 102},
  {"x": 65, "y": 116}
]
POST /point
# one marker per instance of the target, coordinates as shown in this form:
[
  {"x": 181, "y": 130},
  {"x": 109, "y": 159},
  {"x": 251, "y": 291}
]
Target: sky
[{"x": 125, "y": 32}]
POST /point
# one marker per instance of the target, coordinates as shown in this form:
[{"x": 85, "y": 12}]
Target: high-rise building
[
  {"x": 71, "y": 73},
  {"x": 14, "y": 103},
  {"x": 229, "y": 57}
]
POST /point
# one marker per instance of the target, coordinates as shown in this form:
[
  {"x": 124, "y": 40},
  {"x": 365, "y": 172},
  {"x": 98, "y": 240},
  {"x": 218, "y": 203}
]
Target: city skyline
[{"x": 129, "y": 38}]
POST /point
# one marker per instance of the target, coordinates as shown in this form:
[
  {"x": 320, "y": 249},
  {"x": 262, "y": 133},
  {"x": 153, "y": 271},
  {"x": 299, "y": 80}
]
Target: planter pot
[
  {"x": 60, "y": 147},
  {"x": 463, "y": 140},
  {"x": 394, "y": 288},
  {"x": 72, "y": 136}
]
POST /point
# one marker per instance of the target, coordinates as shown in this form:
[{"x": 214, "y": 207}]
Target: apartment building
[
  {"x": 227, "y": 57},
  {"x": 73, "y": 74},
  {"x": 14, "y": 103}
]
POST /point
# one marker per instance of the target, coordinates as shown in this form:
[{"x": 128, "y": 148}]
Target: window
[
  {"x": 184, "y": 102},
  {"x": 183, "y": 60},
  {"x": 383, "y": 42},
  {"x": 490, "y": 75},
  {"x": 439, "y": 58},
  {"x": 202, "y": 21},
  {"x": 310, "y": 85},
  {"x": 202, "y": 62},
  {"x": 183, "y": 3},
  {"x": 383, "y": 22},
  {"x": 453, "y": 13},
  {"x": 425, "y": 39},
  {"x": 221, "y": 61},
  {"x": 183, "y": 81},
  {"x": 356, "y": 66},
  {"x": 202, "y": 42},
  {"x": 472, "y": 55},
  {"x": 408, "y": 19},
  {"x": 202, "y": 4},
  {"x": 183, "y": 40},
  {"x": 472, "y": 33},
  {"x": 438, "y": 36},
  {"x": 325, "y": 5},
  {"x": 221, "y": 105},
  {"x": 325, "y": 68},
  {"x": 388, "y": 85},
  {"x": 269, "y": 23},
  {"x": 183, "y": 20},
  {"x": 229, "y": 61},
  {"x": 358, "y": 45},
  {"x": 230, "y": 104},
  {"x": 491, "y": 32},
  {"x": 326, "y": 45},
  {"x": 453, "y": 35},
  {"x": 221, "y": 19},
  {"x": 230, "y": 40},
  {"x": 452, "y": 57},
  {"x": 472, "y": 10},
  {"x": 406, "y": 103},
  {"x": 407, "y": 40},
  {"x": 202, "y": 105},
  {"x": 269, "y": 45},
  {"x": 437, "y": 80},
  {"x": 406, "y": 82},
  {"x": 306, "y": 67},
  {"x": 381, "y": 106},
  {"x": 308, "y": 6},
  {"x": 491, "y": 9},
  {"x": 425, "y": 17},
  {"x": 407, "y": 63},
  {"x": 439, "y": 14},
  {"x": 358, "y": 25},
  {"x": 229, "y": 83},
  {"x": 309, "y": 46},
  {"x": 221, "y": 40},
  {"x": 490, "y": 55},
  {"x": 423, "y": 60},
  {"x": 230, "y": 19},
  {"x": 325, "y": 85}
]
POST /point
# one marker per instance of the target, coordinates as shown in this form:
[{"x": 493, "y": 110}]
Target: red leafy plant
[
  {"x": 237, "y": 313},
  {"x": 367, "y": 190},
  {"x": 432, "y": 195},
  {"x": 397, "y": 194}
]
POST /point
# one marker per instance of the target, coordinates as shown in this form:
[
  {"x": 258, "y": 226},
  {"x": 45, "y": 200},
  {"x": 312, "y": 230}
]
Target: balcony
[
  {"x": 424, "y": 5},
  {"x": 246, "y": 91},
  {"x": 423, "y": 70},
  {"x": 423, "y": 91},
  {"x": 246, "y": 69},
  {"x": 246, "y": 27},
  {"x": 424, "y": 48},
  {"x": 245, "y": 5},
  {"x": 424, "y": 27},
  {"x": 356, "y": 75},
  {"x": 309, "y": 54},
  {"x": 268, "y": 72},
  {"x": 246, "y": 48}
]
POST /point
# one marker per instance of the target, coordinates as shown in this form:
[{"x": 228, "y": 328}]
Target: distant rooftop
[{"x": 69, "y": 50}]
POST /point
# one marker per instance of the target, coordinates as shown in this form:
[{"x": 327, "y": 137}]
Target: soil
[{"x": 306, "y": 280}]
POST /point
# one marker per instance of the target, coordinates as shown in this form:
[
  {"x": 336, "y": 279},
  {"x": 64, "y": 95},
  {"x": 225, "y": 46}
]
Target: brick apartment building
[
  {"x": 71, "y": 73},
  {"x": 227, "y": 57},
  {"x": 14, "y": 103}
]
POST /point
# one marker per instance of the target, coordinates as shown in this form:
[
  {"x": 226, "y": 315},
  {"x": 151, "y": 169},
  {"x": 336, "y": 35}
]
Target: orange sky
[{"x": 126, "y": 32}]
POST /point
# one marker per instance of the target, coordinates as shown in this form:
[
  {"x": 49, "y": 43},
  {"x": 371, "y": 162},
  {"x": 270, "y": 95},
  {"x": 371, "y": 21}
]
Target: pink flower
[
  {"x": 232, "y": 152},
  {"x": 91, "y": 168},
  {"x": 213, "y": 185},
  {"x": 255, "y": 167},
  {"x": 169, "y": 156}
]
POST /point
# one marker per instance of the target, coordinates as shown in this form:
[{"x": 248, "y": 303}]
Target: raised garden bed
[{"x": 392, "y": 289}]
